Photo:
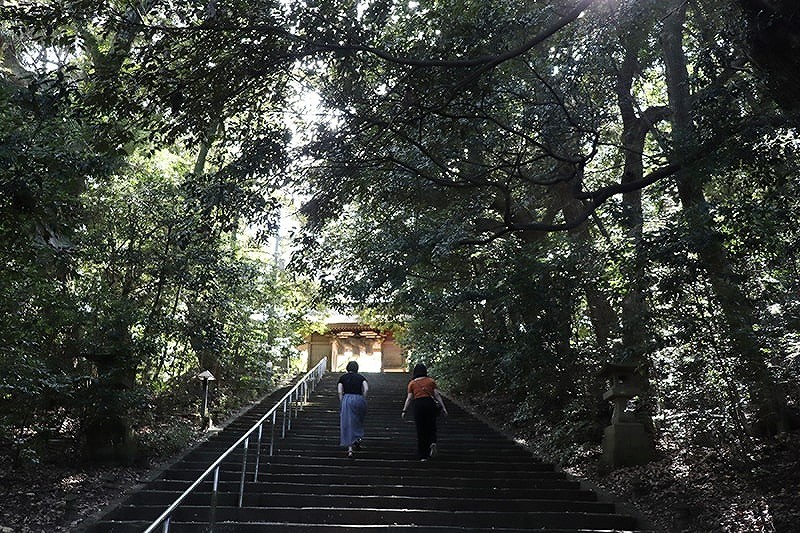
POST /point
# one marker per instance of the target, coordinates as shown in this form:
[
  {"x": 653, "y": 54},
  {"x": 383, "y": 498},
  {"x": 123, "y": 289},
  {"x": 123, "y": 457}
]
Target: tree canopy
[{"x": 545, "y": 187}]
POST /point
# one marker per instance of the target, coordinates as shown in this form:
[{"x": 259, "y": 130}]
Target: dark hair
[
  {"x": 419, "y": 371},
  {"x": 352, "y": 366}
]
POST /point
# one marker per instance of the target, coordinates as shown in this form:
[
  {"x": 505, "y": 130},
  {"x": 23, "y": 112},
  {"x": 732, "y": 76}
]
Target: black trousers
[{"x": 425, "y": 413}]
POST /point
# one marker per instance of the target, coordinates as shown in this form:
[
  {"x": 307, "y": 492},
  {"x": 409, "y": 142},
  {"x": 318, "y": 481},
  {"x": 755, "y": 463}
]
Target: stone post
[{"x": 625, "y": 441}]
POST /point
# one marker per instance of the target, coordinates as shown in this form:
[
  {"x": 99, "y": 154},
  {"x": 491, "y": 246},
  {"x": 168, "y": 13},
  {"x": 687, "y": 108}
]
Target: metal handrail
[{"x": 290, "y": 400}]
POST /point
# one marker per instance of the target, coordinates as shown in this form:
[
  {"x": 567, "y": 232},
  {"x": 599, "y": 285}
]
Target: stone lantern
[{"x": 625, "y": 441}]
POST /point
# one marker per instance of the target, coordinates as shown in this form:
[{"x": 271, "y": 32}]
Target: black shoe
[
  {"x": 357, "y": 444},
  {"x": 434, "y": 450}
]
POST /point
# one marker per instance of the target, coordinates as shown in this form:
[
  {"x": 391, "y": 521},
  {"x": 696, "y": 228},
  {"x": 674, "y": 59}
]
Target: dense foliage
[
  {"x": 137, "y": 201},
  {"x": 533, "y": 189},
  {"x": 545, "y": 187}
]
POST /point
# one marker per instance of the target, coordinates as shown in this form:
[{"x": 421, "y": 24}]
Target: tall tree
[{"x": 736, "y": 307}]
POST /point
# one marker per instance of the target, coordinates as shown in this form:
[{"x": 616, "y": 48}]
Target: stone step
[
  {"x": 417, "y": 479},
  {"x": 481, "y": 481},
  {"x": 371, "y": 451},
  {"x": 567, "y": 491},
  {"x": 395, "y": 442},
  {"x": 385, "y": 444},
  {"x": 279, "y": 527},
  {"x": 374, "y": 463},
  {"x": 435, "y": 501},
  {"x": 363, "y": 515}
]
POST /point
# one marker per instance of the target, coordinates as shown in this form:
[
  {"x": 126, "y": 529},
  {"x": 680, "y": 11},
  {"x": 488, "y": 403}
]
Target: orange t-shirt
[{"x": 422, "y": 387}]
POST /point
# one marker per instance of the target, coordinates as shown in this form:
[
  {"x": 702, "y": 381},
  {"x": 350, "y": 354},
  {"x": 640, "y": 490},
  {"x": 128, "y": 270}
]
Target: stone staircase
[{"x": 481, "y": 481}]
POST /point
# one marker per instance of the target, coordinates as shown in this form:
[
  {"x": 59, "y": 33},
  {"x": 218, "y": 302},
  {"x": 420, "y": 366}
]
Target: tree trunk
[
  {"x": 601, "y": 312},
  {"x": 204, "y": 332},
  {"x": 636, "y": 334},
  {"x": 767, "y": 398}
]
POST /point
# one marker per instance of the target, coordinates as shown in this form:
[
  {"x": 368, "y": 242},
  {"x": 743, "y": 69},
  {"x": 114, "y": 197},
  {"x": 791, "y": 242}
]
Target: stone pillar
[
  {"x": 625, "y": 441},
  {"x": 392, "y": 357},
  {"x": 319, "y": 346}
]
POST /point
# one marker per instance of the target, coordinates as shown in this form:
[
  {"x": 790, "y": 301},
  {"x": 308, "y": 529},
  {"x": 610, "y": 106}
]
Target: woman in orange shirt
[{"x": 422, "y": 391}]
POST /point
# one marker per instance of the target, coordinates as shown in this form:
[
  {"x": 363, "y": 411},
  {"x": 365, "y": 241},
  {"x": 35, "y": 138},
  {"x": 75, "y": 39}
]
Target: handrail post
[
  {"x": 303, "y": 396},
  {"x": 283, "y": 422},
  {"x": 258, "y": 450},
  {"x": 244, "y": 470},
  {"x": 289, "y": 413},
  {"x": 214, "y": 498},
  {"x": 272, "y": 433}
]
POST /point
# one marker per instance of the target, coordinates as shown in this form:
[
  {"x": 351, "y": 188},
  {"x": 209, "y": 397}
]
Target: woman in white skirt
[{"x": 352, "y": 390}]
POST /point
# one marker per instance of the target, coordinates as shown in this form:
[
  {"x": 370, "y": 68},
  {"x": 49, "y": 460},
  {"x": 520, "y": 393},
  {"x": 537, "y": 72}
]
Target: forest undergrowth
[{"x": 57, "y": 492}]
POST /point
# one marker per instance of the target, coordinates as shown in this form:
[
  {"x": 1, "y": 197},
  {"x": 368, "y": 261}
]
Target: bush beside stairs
[{"x": 480, "y": 481}]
